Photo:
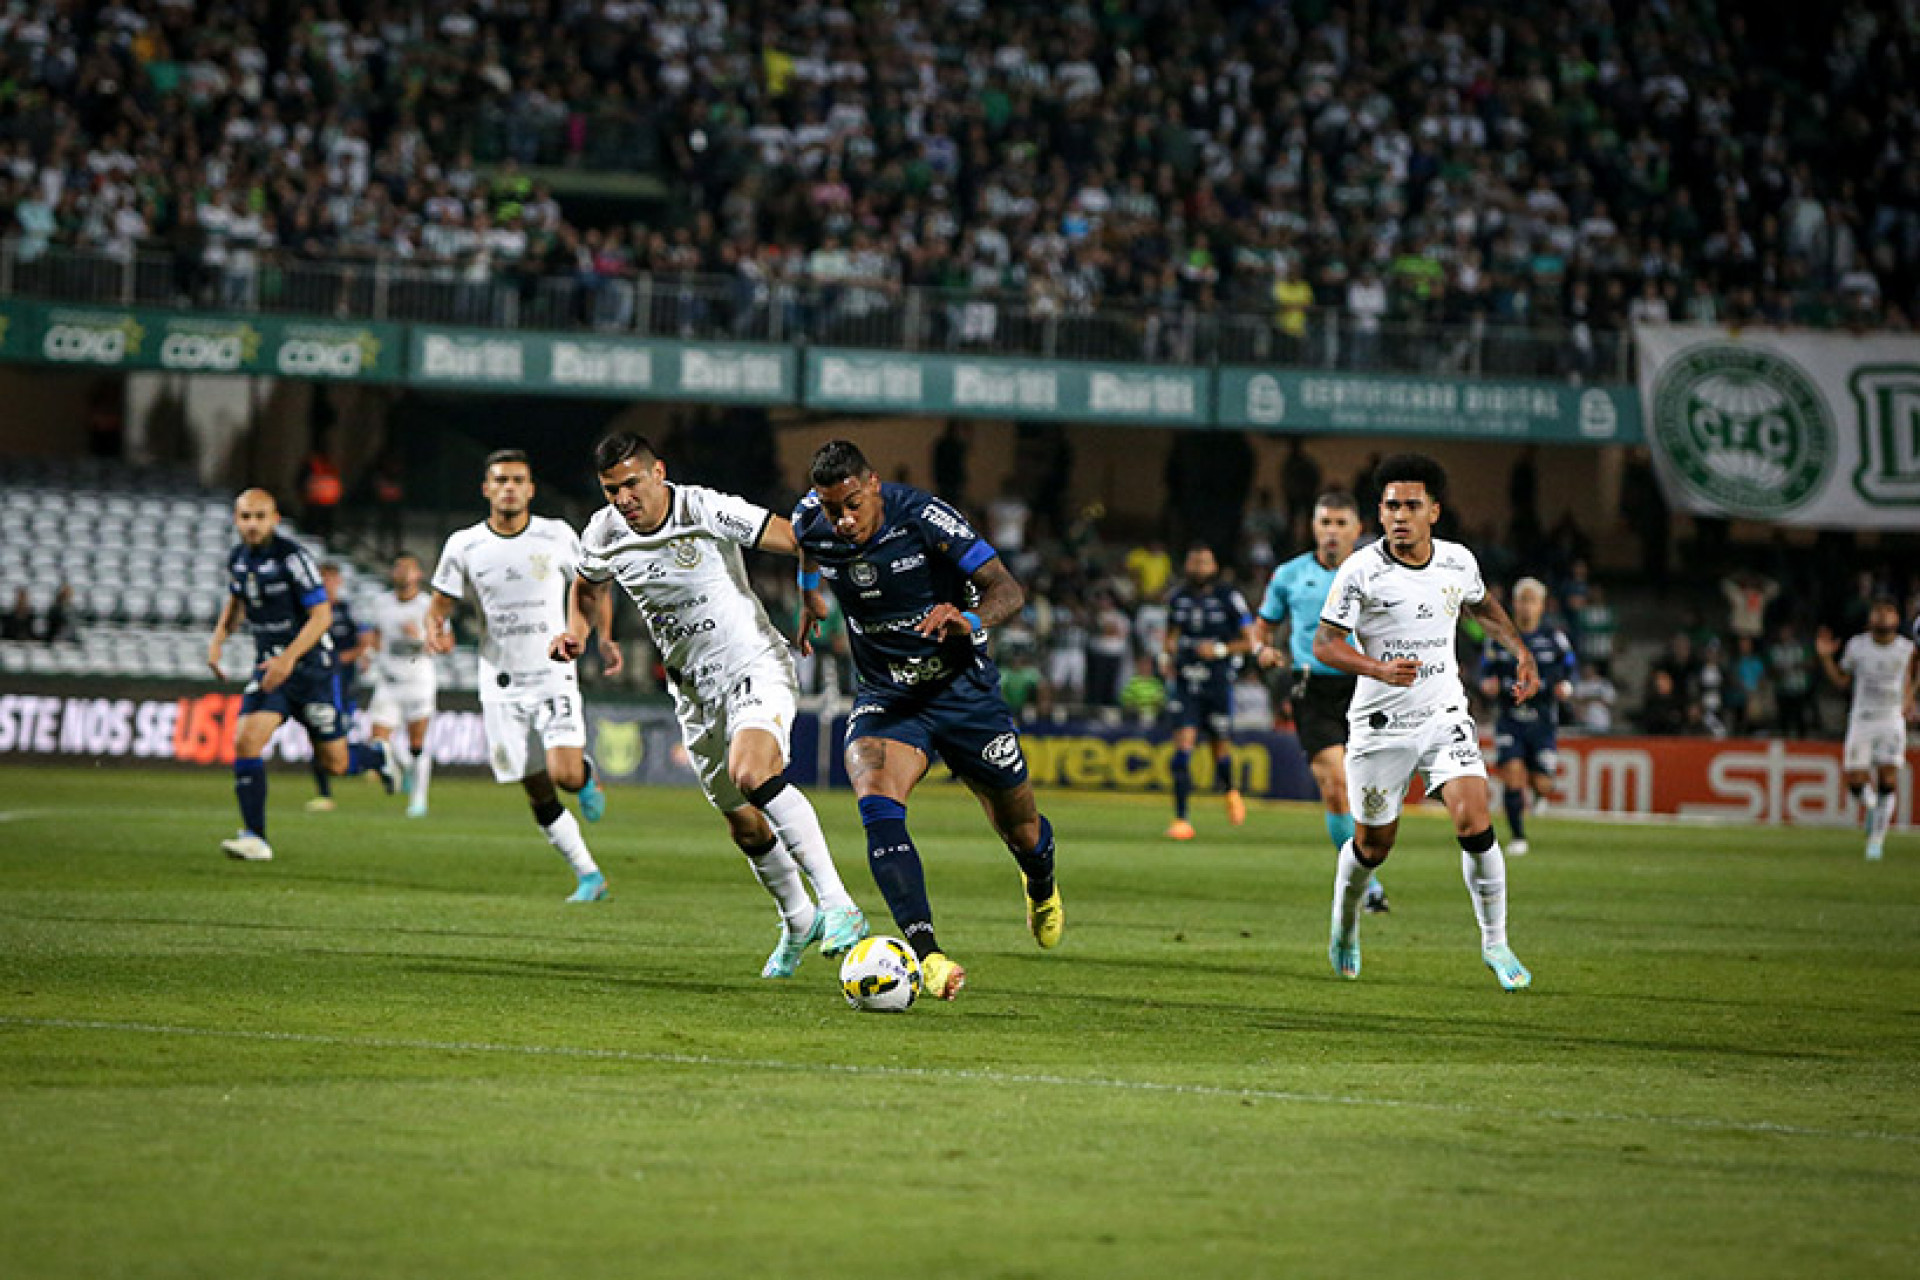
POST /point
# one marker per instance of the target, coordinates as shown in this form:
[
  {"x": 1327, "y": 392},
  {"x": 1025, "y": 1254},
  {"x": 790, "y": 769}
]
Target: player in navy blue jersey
[
  {"x": 1209, "y": 633},
  {"x": 1525, "y": 733},
  {"x": 919, "y": 588},
  {"x": 274, "y": 585},
  {"x": 350, "y": 640}
]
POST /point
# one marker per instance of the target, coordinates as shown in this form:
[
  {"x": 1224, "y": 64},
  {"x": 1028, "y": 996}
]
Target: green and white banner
[
  {"x": 625, "y": 368},
  {"x": 1802, "y": 428},
  {"x": 1315, "y": 401},
  {"x": 902, "y": 382}
]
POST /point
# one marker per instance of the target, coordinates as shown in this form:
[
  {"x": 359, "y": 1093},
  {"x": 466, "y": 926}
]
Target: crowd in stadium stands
[{"x": 1352, "y": 173}]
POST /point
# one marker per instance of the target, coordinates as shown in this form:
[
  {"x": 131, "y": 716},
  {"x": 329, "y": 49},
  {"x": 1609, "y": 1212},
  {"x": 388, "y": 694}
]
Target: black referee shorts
[{"x": 1320, "y": 710}]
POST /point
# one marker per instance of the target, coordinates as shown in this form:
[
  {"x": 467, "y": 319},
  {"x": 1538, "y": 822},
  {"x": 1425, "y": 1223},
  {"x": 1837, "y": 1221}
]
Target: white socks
[
  {"x": 780, "y": 877},
  {"x": 422, "y": 775},
  {"x": 1486, "y": 877},
  {"x": 798, "y": 828},
  {"x": 1349, "y": 887},
  {"x": 563, "y": 833},
  {"x": 1880, "y": 817}
]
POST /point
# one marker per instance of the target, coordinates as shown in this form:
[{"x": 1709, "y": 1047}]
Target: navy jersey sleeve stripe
[{"x": 313, "y": 596}]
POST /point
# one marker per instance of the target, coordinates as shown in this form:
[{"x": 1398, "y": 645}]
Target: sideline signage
[{"x": 1296, "y": 400}]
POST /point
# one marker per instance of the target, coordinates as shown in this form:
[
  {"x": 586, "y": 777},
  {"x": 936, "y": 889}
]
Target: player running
[
  {"x": 273, "y": 584},
  {"x": 1209, "y": 631},
  {"x": 1882, "y": 667},
  {"x": 919, "y": 587},
  {"x": 1402, "y": 598},
  {"x": 675, "y": 549},
  {"x": 1525, "y": 734},
  {"x": 406, "y": 684},
  {"x": 516, "y": 566},
  {"x": 350, "y": 641},
  {"x": 1296, "y": 594}
]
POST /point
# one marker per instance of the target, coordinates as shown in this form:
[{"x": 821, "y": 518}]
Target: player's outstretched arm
[
  {"x": 1492, "y": 615},
  {"x": 778, "y": 537}
]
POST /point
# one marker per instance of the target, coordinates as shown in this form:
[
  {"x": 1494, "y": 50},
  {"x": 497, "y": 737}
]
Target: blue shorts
[
  {"x": 1533, "y": 741},
  {"x": 966, "y": 724},
  {"x": 1205, "y": 704},
  {"x": 312, "y": 695}
]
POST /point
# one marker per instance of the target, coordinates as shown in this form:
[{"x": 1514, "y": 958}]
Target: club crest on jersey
[
  {"x": 686, "y": 552},
  {"x": 1003, "y": 752},
  {"x": 1452, "y": 596},
  {"x": 863, "y": 574},
  {"x": 1373, "y": 801},
  {"x": 541, "y": 564}
]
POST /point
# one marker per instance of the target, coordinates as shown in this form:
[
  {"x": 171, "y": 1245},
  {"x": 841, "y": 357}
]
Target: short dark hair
[
  {"x": 1337, "y": 500},
  {"x": 616, "y": 447},
  {"x": 1200, "y": 544},
  {"x": 499, "y": 456},
  {"x": 1885, "y": 599},
  {"x": 837, "y": 460},
  {"x": 1412, "y": 468},
  {"x": 330, "y": 566}
]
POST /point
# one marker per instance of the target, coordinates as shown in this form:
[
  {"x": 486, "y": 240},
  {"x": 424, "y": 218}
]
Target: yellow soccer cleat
[
  {"x": 1046, "y": 921},
  {"x": 1180, "y": 830},
  {"x": 940, "y": 977}
]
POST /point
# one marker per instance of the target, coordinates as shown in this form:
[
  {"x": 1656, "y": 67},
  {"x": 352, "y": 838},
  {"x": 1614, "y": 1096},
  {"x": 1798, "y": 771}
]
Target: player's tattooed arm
[
  {"x": 1001, "y": 597},
  {"x": 1492, "y": 616}
]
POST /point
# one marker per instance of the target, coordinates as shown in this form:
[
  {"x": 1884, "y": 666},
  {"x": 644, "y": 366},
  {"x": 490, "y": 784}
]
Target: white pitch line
[{"x": 983, "y": 1076}]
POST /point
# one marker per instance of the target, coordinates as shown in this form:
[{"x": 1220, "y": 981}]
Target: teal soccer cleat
[
  {"x": 1344, "y": 952},
  {"x": 592, "y": 888},
  {"x": 840, "y": 929},
  {"x": 1507, "y": 967},
  {"x": 786, "y": 956}
]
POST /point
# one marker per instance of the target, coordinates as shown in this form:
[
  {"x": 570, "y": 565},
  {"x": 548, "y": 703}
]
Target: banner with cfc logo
[{"x": 1819, "y": 429}]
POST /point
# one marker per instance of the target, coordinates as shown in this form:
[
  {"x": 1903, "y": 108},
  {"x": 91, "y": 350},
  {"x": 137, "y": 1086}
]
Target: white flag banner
[{"x": 1795, "y": 427}]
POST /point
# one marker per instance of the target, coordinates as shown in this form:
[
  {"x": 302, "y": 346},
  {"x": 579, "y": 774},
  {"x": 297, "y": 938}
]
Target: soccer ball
[{"x": 881, "y": 975}]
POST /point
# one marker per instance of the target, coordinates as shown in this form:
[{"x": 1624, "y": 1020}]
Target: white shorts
[
  {"x": 521, "y": 731},
  {"x": 1871, "y": 744},
  {"x": 393, "y": 705},
  {"x": 763, "y": 698},
  {"x": 1381, "y": 765}
]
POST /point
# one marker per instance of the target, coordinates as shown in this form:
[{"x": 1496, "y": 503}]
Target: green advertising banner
[
  {"x": 544, "y": 363},
  {"x": 900, "y": 382},
  {"x": 1397, "y": 405},
  {"x": 101, "y": 337}
]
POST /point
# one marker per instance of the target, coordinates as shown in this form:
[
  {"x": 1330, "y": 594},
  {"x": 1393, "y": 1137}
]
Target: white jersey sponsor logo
[
  {"x": 690, "y": 584},
  {"x": 1396, "y": 611},
  {"x": 1879, "y": 676},
  {"x": 520, "y": 585},
  {"x": 402, "y": 659}
]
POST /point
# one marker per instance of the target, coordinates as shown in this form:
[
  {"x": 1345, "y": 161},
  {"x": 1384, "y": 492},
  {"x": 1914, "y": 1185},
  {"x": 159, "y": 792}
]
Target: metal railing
[{"x": 840, "y": 313}]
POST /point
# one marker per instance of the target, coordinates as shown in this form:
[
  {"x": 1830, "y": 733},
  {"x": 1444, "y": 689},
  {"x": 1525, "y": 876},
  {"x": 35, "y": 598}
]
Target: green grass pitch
[{"x": 394, "y": 1052}]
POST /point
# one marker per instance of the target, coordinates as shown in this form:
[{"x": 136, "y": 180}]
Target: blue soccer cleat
[
  {"x": 840, "y": 928},
  {"x": 1507, "y": 967},
  {"x": 592, "y": 888},
  {"x": 1344, "y": 952},
  {"x": 792, "y": 946}
]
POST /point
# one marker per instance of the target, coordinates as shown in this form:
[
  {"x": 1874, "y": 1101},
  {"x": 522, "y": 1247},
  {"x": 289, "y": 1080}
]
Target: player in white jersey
[
  {"x": 1402, "y": 598},
  {"x": 515, "y": 566},
  {"x": 1882, "y": 667},
  {"x": 405, "y": 683},
  {"x": 675, "y": 549}
]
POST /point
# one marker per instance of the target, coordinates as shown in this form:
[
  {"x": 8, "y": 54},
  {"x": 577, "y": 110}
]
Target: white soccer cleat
[
  {"x": 1876, "y": 847},
  {"x": 1519, "y": 848},
  {"x": 248, "y": 847}
]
